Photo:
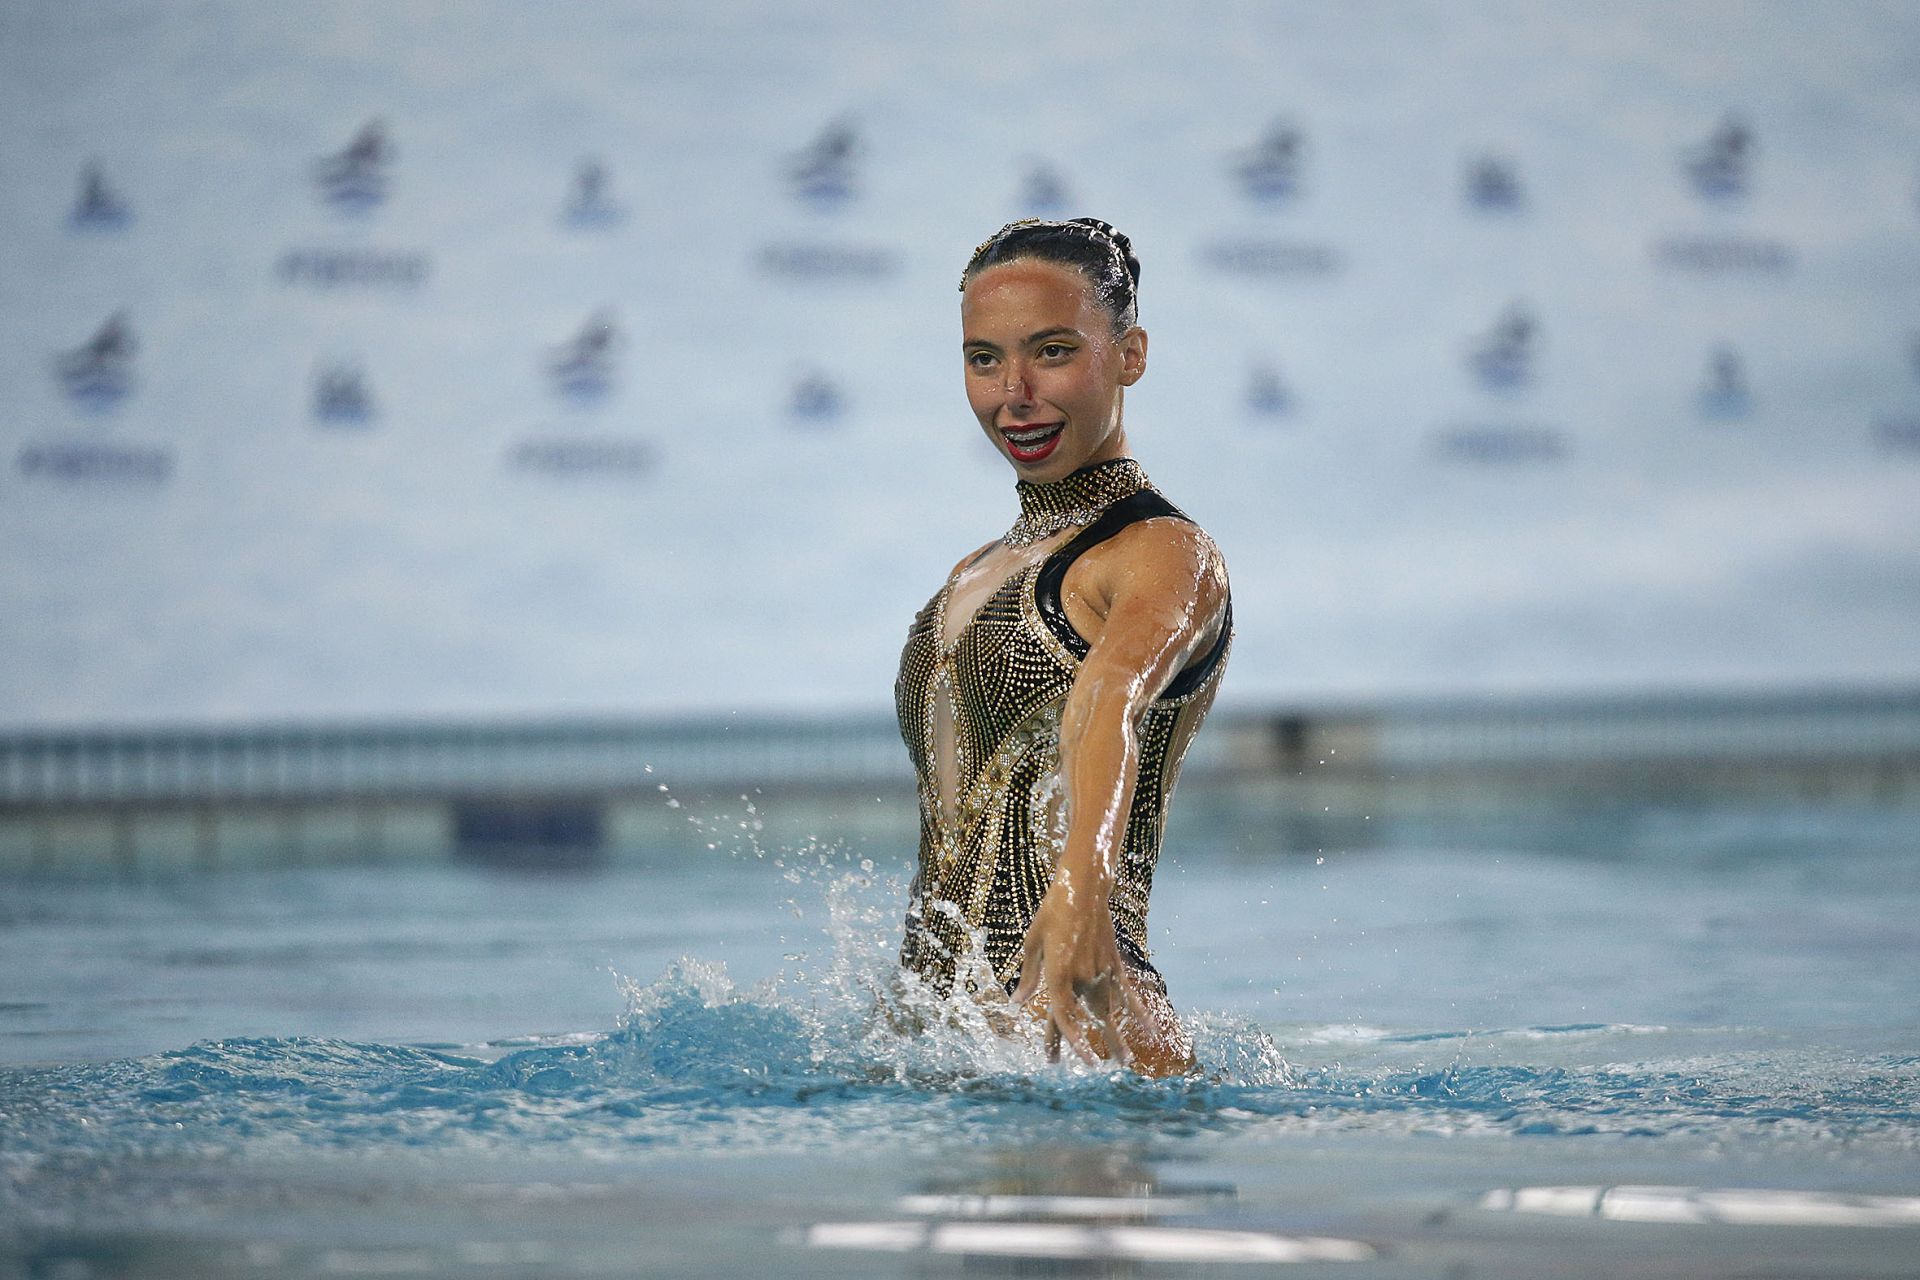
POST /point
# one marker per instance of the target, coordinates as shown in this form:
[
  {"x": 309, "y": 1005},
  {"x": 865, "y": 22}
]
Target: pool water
[{"x": 1691, "y": 1048}]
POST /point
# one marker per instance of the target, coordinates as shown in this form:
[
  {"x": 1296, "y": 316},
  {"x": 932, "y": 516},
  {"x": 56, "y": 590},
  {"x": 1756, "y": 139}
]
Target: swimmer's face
[{"x": 1044, "y": 369}]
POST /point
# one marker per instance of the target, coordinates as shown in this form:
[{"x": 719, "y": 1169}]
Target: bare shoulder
[
  {"x": 1158, "y": 577},
  {"x": 1164, "y": 550}
]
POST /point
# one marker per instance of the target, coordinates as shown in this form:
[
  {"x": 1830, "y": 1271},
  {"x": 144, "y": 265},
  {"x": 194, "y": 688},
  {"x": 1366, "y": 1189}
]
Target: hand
[{"x": 1071, "y": 965}]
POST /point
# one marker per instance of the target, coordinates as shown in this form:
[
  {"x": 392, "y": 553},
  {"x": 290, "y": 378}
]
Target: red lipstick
[{"x": 1033, "y": 442}]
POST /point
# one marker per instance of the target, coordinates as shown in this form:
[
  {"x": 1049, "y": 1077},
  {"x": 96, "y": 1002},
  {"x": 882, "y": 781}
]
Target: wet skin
[{"x": 1041, "y": 357}]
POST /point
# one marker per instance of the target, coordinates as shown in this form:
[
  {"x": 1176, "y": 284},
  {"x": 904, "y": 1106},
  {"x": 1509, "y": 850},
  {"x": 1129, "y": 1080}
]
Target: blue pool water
[{"x": 1691, "y": 1047}]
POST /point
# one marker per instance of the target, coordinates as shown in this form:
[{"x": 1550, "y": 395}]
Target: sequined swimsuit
[{"x": 1006, "y": 676}]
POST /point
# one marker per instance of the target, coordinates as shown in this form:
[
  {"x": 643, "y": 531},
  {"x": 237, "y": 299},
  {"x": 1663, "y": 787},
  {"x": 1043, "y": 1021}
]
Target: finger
[
  {"x": 1107, "y": 1016},
  {"x": 1029, "y": 956},
  {"x": 1065, "y": 1011},
  {"x": 1029, "y": 983},
  {"x": 1064, "y": 1014},
  {"x": 1139, "y": 1009},
  {"x": 1071, "y": 1033},
  {"x": 1096, "y": 998}
]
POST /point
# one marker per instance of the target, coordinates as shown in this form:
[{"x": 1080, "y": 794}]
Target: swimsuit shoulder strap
[{"x": 1144, "y": 505}]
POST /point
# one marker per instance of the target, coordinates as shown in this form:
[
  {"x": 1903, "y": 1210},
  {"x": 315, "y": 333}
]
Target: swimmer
[{"x": 1050, "y": 688}]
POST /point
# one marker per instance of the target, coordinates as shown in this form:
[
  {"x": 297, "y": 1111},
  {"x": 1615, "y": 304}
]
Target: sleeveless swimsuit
[{"x": 1007, "y": 675}]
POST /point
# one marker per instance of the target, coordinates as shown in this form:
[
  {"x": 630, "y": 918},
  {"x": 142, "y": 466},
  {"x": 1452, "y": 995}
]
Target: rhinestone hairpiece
[
  {"x": 983, "y": 246},
  {"x": 1097, "y": 227}
]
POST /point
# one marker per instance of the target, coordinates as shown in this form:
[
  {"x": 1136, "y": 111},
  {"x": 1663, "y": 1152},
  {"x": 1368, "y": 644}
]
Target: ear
[{"x": 1133, "y": 355}]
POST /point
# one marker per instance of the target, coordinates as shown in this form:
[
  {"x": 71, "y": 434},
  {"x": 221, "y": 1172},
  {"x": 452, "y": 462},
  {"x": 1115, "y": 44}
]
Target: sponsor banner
[
  {"x": 1268, "y": 256},
  {"x": 99, "y": 206},
  {"x": 1723, "y": 255},
  {"x": 99, "y": 373},
  {"x": 356, "y": 179},
  {"x": 1268, "y": 395},
  {"x": 826, "y": 260},
  {"x": 95, "y": 462},
  {"x": 1492, "y": 186},
  {"x": 590, "y": 204},
  {"x": 1898, "y": 434},
  {"x": 1724, "y": 395},
  {"x": 342, "y": 396},
  {"x": 816, "y": 399},
  {"x": 324, "y": 268},
  {"x": 568, "y": 457},
  {"x": 1501, "y": 443},
  {"x": 1505, "y": 358},
  {"x": 583, "y": 370}
]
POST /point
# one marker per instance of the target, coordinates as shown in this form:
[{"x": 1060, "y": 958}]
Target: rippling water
[{"x": 1403, "y": 1054}]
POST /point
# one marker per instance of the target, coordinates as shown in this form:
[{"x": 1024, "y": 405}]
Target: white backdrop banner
[{"x": 477, "y": 358}]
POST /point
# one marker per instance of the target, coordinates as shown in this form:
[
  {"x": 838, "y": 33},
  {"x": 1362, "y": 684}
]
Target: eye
[
  {"x": 1055, "y": 351},
  {"x": 979, "y": 359}
]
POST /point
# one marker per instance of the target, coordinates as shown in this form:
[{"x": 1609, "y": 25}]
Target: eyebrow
[{"x": 1031, "y": 338}]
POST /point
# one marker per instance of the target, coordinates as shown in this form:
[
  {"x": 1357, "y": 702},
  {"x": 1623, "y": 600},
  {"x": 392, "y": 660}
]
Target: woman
[{"x": 1048, "y": 691}]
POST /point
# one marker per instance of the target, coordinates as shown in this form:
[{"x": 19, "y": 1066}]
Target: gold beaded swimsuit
[{"x": 1006, "y": 678}]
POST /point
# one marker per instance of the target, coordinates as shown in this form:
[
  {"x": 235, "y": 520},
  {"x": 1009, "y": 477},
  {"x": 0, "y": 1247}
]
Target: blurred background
[
  {"x": 467, "y": 468},
  {"x": 430, "y": 428}
]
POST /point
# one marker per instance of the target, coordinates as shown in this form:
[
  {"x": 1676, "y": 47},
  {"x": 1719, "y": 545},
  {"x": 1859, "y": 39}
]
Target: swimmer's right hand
[{"x": 1072, "y": 974}]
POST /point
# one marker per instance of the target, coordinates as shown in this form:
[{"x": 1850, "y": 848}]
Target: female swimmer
[{"x": 1050, "y": 688}]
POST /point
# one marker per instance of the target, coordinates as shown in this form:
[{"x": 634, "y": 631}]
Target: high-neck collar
[{"x": 1045, "y": 509}]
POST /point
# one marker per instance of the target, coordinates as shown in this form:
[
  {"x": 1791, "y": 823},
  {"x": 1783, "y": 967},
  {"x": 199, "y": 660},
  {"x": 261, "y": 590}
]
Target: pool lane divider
[
  {"x": 1081, "y": 1207},
  {"x": 1732, "y": 1206},
  {"x": 1076, "y": 1240},
  {"x": 1103, "y": 1228}
]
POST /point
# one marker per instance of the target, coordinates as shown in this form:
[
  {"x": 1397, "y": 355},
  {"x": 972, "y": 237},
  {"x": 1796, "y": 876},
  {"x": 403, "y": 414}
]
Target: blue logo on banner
[
  {"x": 1268, "y": 395},
  {"x": 590, "y": 203},
  {"x": 1898, "y": 435},
  {"x": 95, "y": 462},
  {"x": 1503, "y": 358},
  {"x": 1274, "y": 167},
  {"x": 1258, "y": 256},
  {"x": 810, "y": 261},
  {"x": 341, "y": 396},
  {"x": 98, "y": 207},
  {"x": 1724, "y": 395},
  {"x": 354, "y": 268},
  {"x": 1042, "y": 191},
  {"x": 822, "y": 172},
  {"x": 354, "y": 179},
  {"x": 1493, "y": 185},
  {"x": 582, "y": 368},
  {"x": 1502, "y": 443},
  {"x": 815, "y": 398},
  {"x": 568, "y": 457},
  {"x": 1721, "y": 168},
  {"x": 1724, "y": 255},
  {"x": 98, "y": 374}
]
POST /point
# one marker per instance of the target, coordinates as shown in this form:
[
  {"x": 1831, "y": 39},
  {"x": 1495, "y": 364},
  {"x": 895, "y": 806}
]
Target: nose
[{"x": 1013, "y": 382}]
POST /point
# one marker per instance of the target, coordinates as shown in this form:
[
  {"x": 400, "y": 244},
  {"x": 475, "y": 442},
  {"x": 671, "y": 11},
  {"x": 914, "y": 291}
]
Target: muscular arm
[{"x": 1162, "y": 592}]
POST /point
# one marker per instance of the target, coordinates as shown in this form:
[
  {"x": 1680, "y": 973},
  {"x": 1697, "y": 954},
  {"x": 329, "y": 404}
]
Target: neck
[{"x": 1076, "y": 499}]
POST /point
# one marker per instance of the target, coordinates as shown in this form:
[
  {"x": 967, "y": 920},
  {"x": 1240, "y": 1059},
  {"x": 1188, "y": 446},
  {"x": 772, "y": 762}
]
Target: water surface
[{"x": 675, "y": 1067}]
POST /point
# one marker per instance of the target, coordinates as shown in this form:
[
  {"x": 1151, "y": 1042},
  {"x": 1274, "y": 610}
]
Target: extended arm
[{"x": 1163, "y": 595}]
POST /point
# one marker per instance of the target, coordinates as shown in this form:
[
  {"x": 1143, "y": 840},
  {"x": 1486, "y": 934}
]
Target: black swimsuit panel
[{"x": 1144, "y": 505}]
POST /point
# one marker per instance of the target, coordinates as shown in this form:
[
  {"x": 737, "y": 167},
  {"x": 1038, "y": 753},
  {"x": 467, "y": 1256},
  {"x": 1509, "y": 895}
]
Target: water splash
[{"x": 842, "y": 1052}]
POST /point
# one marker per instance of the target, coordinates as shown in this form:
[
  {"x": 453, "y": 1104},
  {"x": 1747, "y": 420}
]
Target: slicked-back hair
[{"x": 1091, "y": 247}]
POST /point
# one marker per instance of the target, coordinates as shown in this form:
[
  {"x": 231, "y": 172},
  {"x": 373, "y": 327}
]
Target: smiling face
[{"x": 1045, "y": 371}]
